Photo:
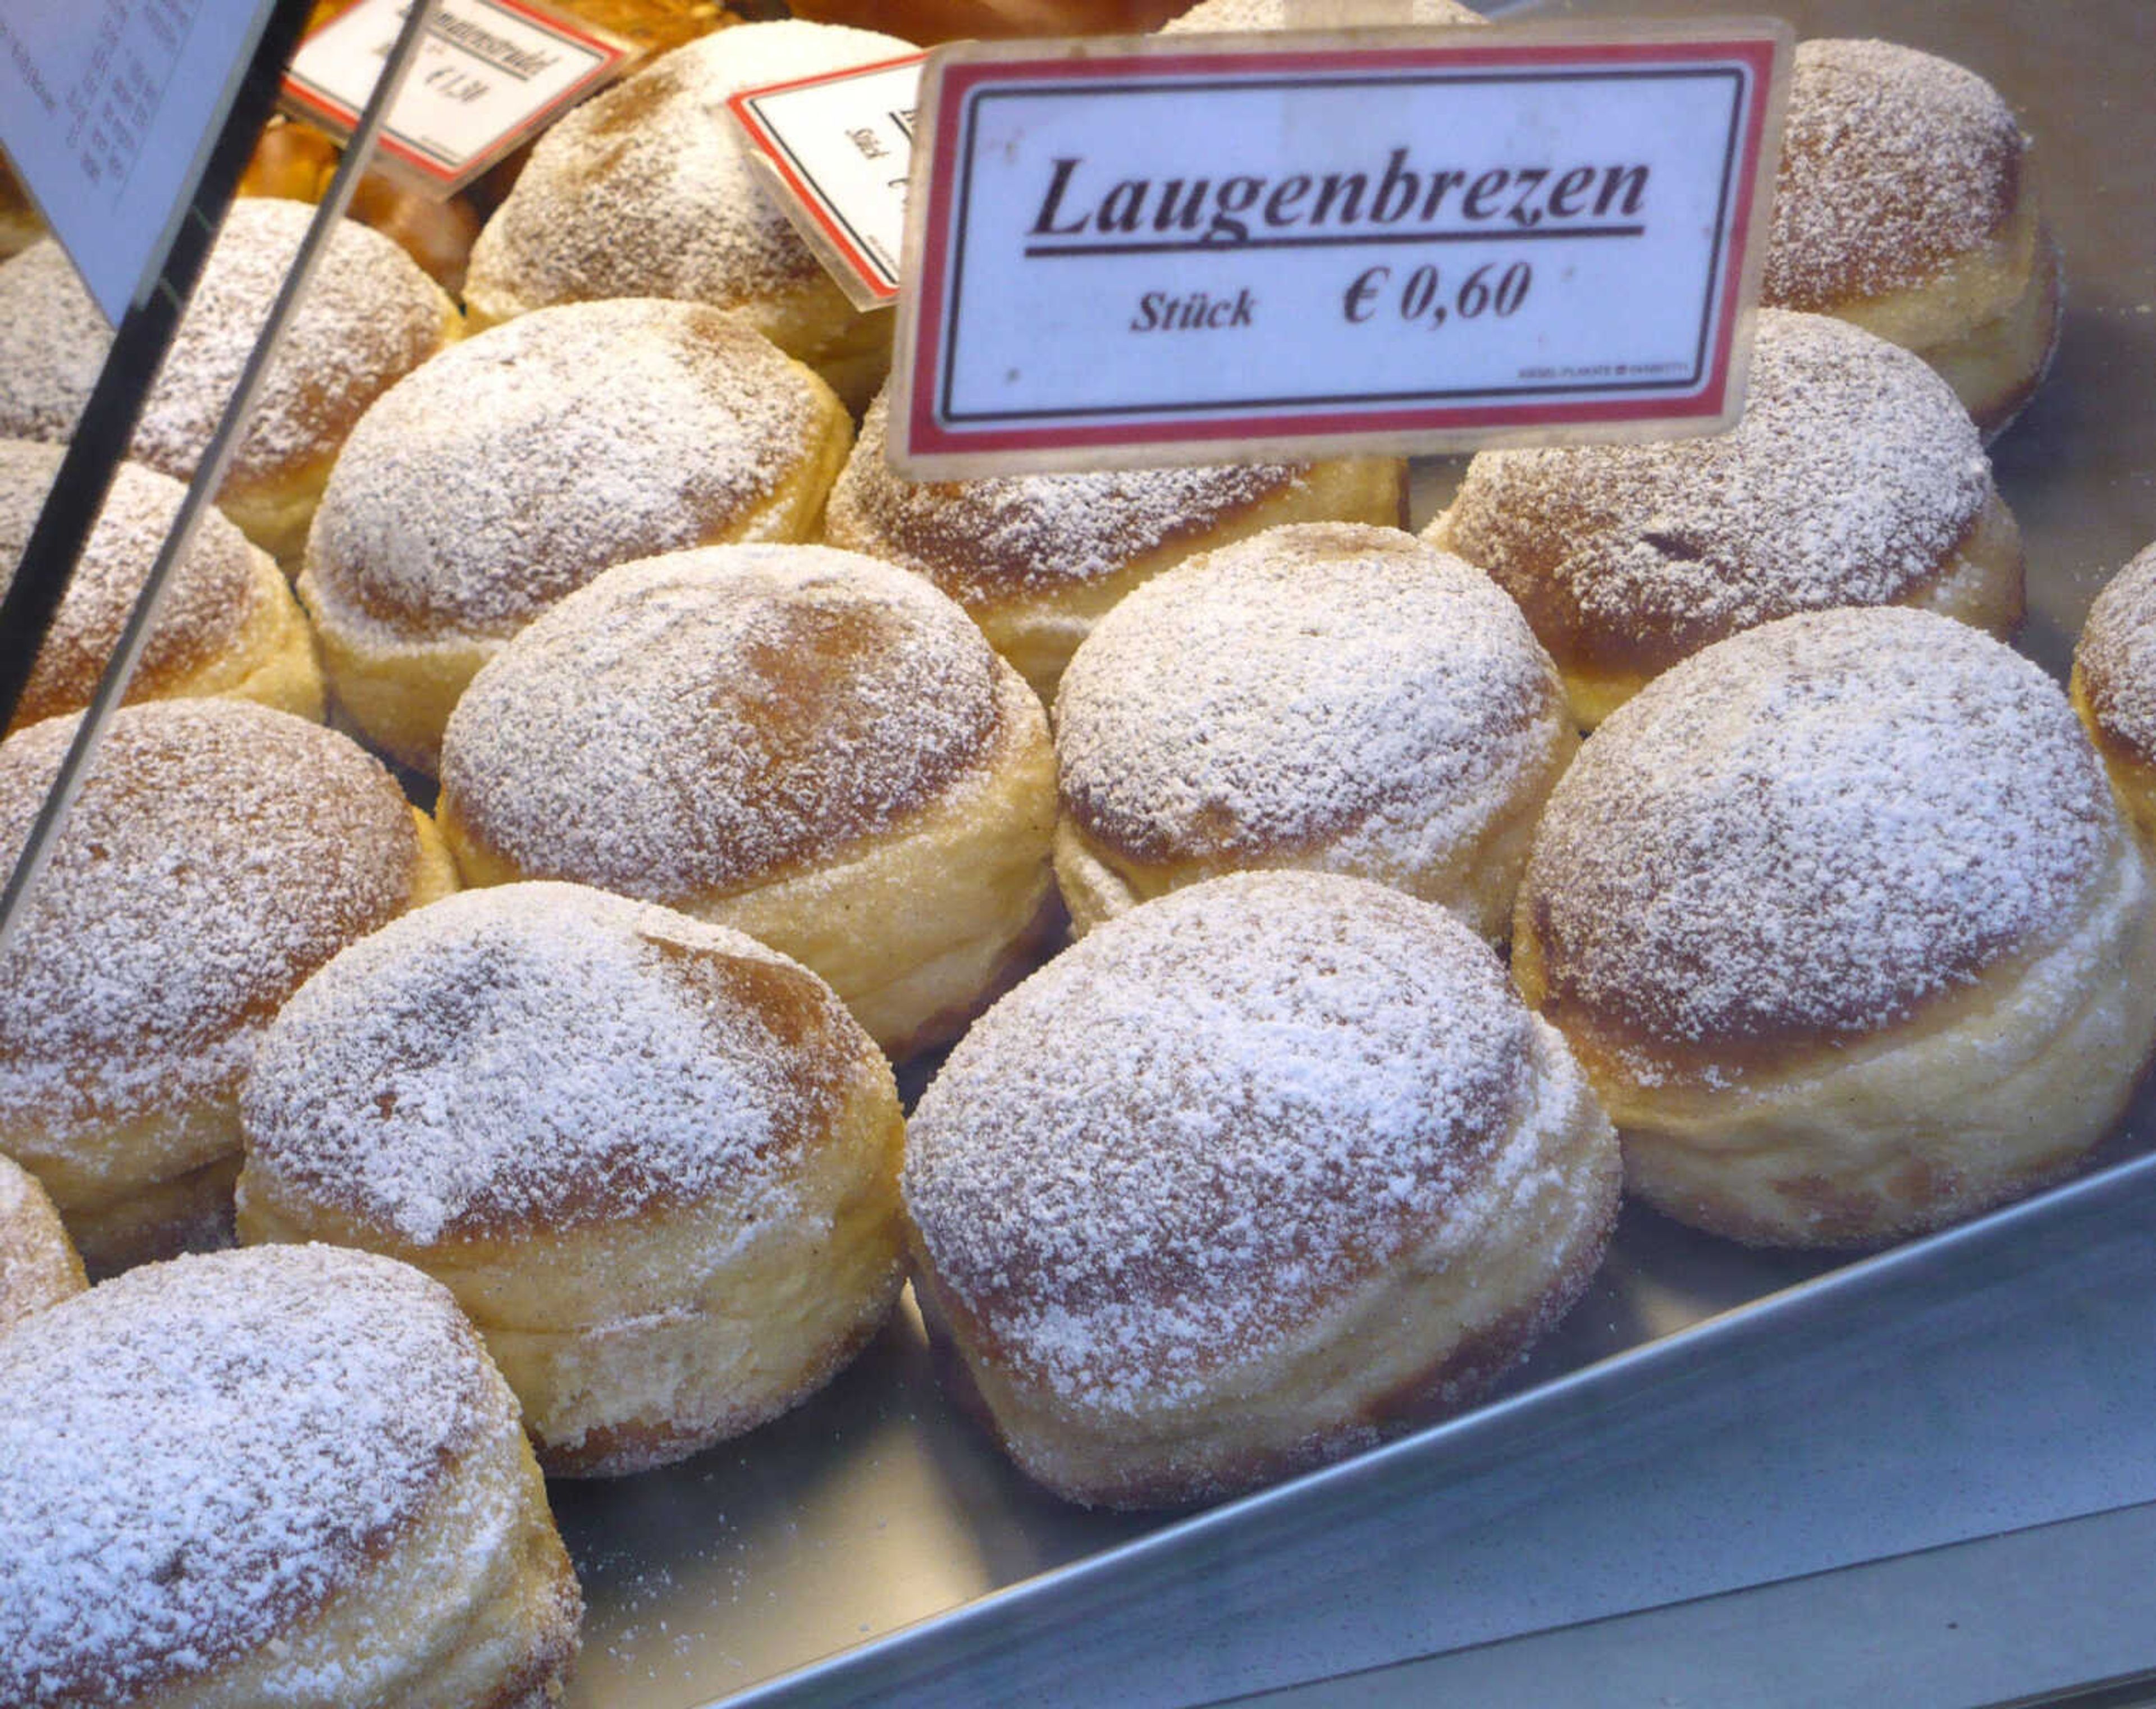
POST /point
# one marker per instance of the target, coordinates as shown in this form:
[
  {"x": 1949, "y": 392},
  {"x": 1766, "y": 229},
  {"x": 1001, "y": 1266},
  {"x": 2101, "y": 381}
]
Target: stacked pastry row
[{"x": 1903, "y": 205}]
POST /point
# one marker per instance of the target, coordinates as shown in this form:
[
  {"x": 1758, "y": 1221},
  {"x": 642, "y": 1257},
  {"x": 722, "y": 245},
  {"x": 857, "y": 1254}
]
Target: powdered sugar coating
[
  {"x": 2116, "y": 657},
  {"x": 1895, "y": 164},
  {"x": 1852, "y": 478},
  {"x": 1323, "y": 686},
  {"x": 218, "y": 854},
  {"x": 546, "y": 1056},
  {"x": 208, "y": 598},
  {"x": 987, "y": 540},
  {"x": 513, "y": 468},
  {"x": 644, "y": 190},
  {"x": 1812, "y": 828},
  {"x": 196, "y": 1453},
  {"x": 1273, "y": 14},
  {"x": 699, "y": 721},
  {"x": 369, "y": 315},
  {"x": 1205, "y": 1116}
]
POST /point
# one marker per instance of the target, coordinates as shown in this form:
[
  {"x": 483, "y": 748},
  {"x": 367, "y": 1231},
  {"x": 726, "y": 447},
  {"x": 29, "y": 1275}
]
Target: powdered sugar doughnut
[
  {"x": 1842, "y": 922},
  {"x": 483, "y": 487},
  {"x": 1853, "y": 478},
  {"x": 1903, "y": 205},
  {"x": 229, "y": 624},
  {"x": 644, "y": 191},
  {"x": 282, "y": 1476},
  {"x": 809, "y": 745},
  {"x": 1038, "y": 559},
  {"x": 39, "y": 1265},
  {"x": 1245, "y": 1179},
  {"x": 709, "y": 1232},
  {"x": 2114, "y": 685},
  {"x": 369, "y": 315},
  {"x": 218, "y": 854},
  {"x": 1324, "y": 696}
]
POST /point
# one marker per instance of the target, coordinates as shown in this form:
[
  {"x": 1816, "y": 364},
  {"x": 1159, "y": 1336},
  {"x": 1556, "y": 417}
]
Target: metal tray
[{"x": 875, "y": 1506}]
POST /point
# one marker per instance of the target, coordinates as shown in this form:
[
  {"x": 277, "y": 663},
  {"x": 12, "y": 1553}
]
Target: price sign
[
  {"x": 108, "y": 109},
  {"x": 1146, "y": 252},
  {"x": 835, "y": 151},
  {"x": 490, "y": 74}
]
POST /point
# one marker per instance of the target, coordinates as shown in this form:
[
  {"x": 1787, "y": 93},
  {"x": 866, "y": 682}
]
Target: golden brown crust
[
  {"x": 708, "y": 1231},
  {"x": 39, "y": 1265},
  {"x": 227, "y": 624},
  {"x": 719, "y": 718},
  {"x": 1855, "y": 477},
  {"x": 1115, "y": 1200},
  {"x": 1895, "y": 164},
  {"x": 218, "y": 854},
  {"x": 369, "y": 317},
  {"x": 377, "y": 1531}
]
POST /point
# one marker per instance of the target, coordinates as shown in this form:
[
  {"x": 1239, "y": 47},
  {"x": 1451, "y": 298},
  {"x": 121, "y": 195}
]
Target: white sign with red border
[
  {"x": 1144, "y": 251},
  {"x": 490, "y": 74},
  {"x": 839, "y": 147}
]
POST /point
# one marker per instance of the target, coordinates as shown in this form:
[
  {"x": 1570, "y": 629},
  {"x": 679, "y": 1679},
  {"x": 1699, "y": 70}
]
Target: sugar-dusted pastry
[
  {"x": 1326, "y": 696},
  {"x": 283, "y": 1476},
  {"x": 656, "y": 1162},
  {"x": 1842, "y": 922},
  {"x": 484, "y": 486},
  {"x": 2114, "y": 685},
  {"x": 1038, "y": 559},
  {"x": 229, "y": 624},
  {"x": 807, "y": 745},
  {"x": 369, "y": 316},
  {"x": 39, "y": 1263},
  {"x": 220, "y": 852},
  {"x": 1854, "y": 478},
  {"x": 1246, "y": 1180},
  {"x": 646, "y": 191},
  {"x": 1904, "y": 204}
]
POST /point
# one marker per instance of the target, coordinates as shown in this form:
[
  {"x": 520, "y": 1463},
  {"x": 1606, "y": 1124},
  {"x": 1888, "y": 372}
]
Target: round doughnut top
[
  {"x": 220, "y": 852},
  {"x": 519, "y": 464},
  {"x": 539, "y": 1056},
  {"x": 208, "y": 598},
  {"x": 1273, "y": 14},
  {"x": 1895, "y": 164},
  {"x": 1851, "y": 480},
  {"x": 704, "y": 720},
  {"x": 1000, "y": 538},
  {"x": 1208, "y": 1116},
  {"x": 2116, "y": 657},
  {"x": 1809, "y": 830},
  {"x": 644, "y": 190},
  {"x": 369, "y": 315},
  {"x": 209, "y": 1449},
  {"x": 1323, "y": 684}
]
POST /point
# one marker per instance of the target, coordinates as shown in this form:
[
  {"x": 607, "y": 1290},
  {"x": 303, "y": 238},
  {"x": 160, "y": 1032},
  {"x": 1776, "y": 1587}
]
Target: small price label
[
  {"x": 836, "y": 152},
  {"x": 490, "y": 74},
  {"x": 1141, "y": 251}
]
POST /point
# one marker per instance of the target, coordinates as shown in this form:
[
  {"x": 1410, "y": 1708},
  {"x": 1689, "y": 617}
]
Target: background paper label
[
  {"x": 839, "y": 148},
  {"x": 489, "y": 73}
]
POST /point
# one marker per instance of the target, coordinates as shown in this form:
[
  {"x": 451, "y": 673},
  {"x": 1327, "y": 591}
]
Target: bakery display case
[
  {"x": 1711, "y": 1417},
  {"x": 1731, "y": 1470}
]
